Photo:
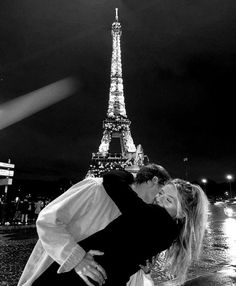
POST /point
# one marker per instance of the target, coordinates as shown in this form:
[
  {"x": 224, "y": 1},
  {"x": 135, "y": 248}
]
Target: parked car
[{"x": 230, "y": 207}]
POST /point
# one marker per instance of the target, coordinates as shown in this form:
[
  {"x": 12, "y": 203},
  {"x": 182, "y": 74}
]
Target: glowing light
[
  {"x": 229, "y": 229},
  {"x": 116, "y": 124},
  {"x": 204, "y": 181},
  {"x": 116, "y": 116},
  {"x": 26, "y": 105},
  {"x": 116, "y": 105},
  {"x": 229, "y": 177},
  {"x": 229, "y": 212},
  {"x": 104, "y": 146},
  {"x": 218, "y": 203}
]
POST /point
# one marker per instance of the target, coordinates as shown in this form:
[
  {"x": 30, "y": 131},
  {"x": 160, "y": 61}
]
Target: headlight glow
[{"x": 229, "y": 212}]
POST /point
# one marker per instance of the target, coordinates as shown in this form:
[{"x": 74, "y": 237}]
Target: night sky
[{"x": 179, "y": 72}]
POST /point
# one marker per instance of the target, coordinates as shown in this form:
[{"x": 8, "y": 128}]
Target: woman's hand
[
  {"x": 88, "y": 267},
  {"x": 149, "y": 265}
]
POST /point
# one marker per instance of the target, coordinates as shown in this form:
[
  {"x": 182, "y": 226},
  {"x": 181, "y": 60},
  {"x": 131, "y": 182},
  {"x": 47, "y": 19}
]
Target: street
[
  {"x": 219, "y": 243},
  {"x": 218, "y": 257}
]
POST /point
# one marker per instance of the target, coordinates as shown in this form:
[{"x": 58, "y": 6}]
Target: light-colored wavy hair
[{"x": 192, "y": 213}]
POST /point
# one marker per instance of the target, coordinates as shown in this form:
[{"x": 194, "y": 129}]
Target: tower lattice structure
[{"x": 116, "y": 124}]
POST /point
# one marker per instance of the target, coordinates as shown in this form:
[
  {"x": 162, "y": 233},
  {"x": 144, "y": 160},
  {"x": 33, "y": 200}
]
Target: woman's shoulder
[
  {"x": 160, "y": 211},
  {"x": 159, "y": 217}
]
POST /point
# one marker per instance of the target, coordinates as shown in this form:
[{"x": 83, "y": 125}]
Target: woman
[
  {"x": 175, "y": 222},
  {"x": 170, "y": 267}
]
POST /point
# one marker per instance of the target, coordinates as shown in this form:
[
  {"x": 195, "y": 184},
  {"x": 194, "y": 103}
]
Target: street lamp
[
  {"x": 204, "y": 182},
  {"x": 185, "y": 160},
  {"x": 229, "y": 177}
]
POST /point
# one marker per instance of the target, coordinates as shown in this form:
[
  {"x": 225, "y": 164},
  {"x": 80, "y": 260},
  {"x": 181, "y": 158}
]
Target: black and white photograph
[{"x": 117, "y": 144}]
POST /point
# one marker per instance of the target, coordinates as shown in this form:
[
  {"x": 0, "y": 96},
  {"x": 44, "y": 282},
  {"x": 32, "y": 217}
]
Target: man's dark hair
[{"x": 149, "y": 171}]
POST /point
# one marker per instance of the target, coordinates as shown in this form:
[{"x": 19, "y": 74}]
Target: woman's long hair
[{"x": 192, "y": 213}]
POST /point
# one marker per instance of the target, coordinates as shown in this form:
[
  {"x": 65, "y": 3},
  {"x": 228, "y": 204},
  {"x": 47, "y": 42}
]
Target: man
[{"x": 73, "y": 222}]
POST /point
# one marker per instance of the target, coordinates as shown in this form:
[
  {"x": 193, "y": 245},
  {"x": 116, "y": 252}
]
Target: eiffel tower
[{"x": 121, "y": 154}]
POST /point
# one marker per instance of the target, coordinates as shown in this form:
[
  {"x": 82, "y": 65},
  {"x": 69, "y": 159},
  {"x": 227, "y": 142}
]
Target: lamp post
[
  {"x": 6, "y": 186},
  {"x": 185, "y": 160},
  {"x": 229, "y": 177},
  {"x": 204, "y": 182}
]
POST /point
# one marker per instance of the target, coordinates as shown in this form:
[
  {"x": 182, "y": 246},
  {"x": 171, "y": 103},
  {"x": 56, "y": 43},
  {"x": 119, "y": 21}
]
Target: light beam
[{"x": 23, "y": 106}]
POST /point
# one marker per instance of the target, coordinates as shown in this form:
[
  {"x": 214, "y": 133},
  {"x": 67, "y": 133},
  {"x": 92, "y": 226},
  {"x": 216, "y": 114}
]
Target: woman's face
[{"x": 167, "y": 198}]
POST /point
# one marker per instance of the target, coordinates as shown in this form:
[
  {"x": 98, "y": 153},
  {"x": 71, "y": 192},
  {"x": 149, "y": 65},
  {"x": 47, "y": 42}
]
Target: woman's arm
[{"x": 117, "y": 185}]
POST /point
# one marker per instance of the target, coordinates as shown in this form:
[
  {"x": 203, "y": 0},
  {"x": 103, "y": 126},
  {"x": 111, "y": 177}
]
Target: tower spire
[
  {"x": 116, "y": 105},
  {"x": 117, "y": 19},
  {"x": 116, "y": 125}
]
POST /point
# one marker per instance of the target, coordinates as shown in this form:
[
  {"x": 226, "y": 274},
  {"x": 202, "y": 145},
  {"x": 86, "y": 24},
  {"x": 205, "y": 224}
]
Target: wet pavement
[
  {"x": 16, "y": 245},
  {"x": 224, "y": 277},
  {"x": 217, "y": 265}
]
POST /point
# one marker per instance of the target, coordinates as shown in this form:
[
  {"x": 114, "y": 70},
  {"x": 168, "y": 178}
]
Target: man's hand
[{"x": 88, "y": 267}]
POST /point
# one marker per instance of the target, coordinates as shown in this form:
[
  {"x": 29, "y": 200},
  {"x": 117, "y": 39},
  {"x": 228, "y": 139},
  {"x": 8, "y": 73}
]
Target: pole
[
  {"x": 6, "y": 186},
  {"x": 186, "y": 168},
  {"x": 230, "y": 191}
]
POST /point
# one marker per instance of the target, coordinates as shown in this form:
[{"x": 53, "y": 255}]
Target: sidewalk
[
  {"x": 224, "y": 277},
  {"x": 13, "y": 227}
]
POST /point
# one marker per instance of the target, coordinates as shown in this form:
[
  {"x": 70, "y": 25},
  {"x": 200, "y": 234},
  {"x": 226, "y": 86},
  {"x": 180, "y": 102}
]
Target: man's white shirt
[{"x": 78, "y": 213}]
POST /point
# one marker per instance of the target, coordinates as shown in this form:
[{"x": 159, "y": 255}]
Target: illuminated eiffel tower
[{"x": 117, "y": 149}]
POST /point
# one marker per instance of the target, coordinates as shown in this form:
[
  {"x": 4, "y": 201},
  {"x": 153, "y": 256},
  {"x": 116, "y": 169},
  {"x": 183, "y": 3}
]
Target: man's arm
[{"x": 54, "y": 222}]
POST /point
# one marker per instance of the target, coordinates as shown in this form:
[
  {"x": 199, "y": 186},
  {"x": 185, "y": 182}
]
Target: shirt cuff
[{"x": 73, "y": 259}]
